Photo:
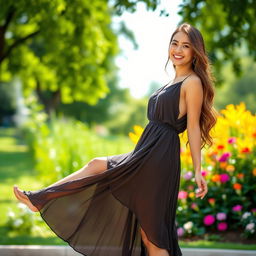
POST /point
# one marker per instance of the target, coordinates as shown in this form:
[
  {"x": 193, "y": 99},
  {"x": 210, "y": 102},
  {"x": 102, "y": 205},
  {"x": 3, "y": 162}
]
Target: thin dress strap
[
  {"x": 186, "y": 77},
  {"x": 162, "y": 88}
]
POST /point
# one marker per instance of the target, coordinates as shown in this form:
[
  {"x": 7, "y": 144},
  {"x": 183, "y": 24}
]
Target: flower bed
[{"x": 229, "y": 168}]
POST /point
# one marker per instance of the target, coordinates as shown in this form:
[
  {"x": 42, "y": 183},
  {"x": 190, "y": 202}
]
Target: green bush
[
  {"x": 23, "y": 222},
  {"x": 61, "y": 146}
]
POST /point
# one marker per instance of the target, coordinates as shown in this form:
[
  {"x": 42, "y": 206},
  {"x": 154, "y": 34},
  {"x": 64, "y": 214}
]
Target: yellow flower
[
  {"x": 230, "y": 168},
  {"x": 254, "y": 171},
  {"x": 223, "y": 165},
  {"x": 191, "y": 194},
  {"x": 136, "y": 136}
]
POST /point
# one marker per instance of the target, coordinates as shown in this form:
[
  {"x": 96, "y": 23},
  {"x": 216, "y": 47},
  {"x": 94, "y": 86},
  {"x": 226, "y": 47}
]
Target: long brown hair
[{"x": 202, "y": 67}]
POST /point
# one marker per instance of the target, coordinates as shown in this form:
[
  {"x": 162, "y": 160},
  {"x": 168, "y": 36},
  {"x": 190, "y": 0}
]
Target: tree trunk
[{"x": 50, "y": 101}]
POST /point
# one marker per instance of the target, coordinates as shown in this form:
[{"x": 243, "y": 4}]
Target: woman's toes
[
  {"x": 19, "y": 194},
  {"x": 24, "y": 199},
  {"x": 16, "y": 192}
]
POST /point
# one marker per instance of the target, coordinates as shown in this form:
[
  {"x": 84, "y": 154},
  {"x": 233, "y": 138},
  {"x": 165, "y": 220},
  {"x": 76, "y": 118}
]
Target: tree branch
[
  {"x": 9, "y": 17},
  {"x": 16, "y": 43},
  {"x": 4, "y": 27}
]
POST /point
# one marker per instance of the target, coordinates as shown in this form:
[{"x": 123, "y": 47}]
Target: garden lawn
[{"x": 17, "y": 167}]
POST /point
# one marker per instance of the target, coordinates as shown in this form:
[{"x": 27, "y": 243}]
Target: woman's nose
[{"x": 179, "y": 48}]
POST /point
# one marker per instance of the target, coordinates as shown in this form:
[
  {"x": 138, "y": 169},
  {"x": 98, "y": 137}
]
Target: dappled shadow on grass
[
  {"x": 6, "y": 239},
  {"x": 15, "y": 158},
  {"x": 15, "y": 164},
  {"x": 7, "y": 132}
]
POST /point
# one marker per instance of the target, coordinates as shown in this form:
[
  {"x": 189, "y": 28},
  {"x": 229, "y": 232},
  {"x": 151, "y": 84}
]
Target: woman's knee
[{"x": 98, "y": 164}]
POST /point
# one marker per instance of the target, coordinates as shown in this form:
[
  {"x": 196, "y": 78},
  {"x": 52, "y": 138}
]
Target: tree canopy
[
  {"x": 61, "y": 49},
  {"x": 227, "y": 26}
]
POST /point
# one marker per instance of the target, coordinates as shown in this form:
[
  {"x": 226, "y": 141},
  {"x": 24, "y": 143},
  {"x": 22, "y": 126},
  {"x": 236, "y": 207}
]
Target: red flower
[
  {"x": 211, "y": 200},
  {"x": 237, "y": 186},
  {"x": 245, "y": 150},
  {"x": 220, "y": 146}
]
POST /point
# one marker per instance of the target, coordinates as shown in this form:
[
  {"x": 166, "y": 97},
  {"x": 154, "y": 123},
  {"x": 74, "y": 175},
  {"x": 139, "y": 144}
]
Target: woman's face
[{"x": 181, "y": 52}]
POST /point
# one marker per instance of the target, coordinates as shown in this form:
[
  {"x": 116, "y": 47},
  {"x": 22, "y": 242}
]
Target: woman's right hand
[{"x": 202, "y": 185}]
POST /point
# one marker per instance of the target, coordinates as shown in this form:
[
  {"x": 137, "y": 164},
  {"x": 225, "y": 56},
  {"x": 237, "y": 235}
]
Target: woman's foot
[{"x": 23, "y": 198}]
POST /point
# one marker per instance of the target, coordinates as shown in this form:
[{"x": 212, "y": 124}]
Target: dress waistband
[{"x": 169, "y": 126}]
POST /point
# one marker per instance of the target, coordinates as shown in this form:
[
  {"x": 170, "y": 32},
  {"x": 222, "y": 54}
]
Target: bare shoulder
[{"x": 193, "y": 84}]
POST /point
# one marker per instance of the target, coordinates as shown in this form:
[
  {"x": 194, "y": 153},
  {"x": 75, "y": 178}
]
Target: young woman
[{"x": 125, "y": 205}]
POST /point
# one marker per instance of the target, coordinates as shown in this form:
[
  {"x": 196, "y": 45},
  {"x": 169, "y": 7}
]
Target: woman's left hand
[{"x": 202, "y": 185}]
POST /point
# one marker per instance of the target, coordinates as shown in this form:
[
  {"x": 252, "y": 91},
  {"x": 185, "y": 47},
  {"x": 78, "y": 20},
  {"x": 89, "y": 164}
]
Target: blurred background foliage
[
  {"x": 228, "y": 28},
  {"x": 64, "y": 51}
]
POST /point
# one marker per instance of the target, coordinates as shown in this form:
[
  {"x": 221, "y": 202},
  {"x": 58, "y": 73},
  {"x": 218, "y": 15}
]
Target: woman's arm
[{"x": 194, "y": 99}]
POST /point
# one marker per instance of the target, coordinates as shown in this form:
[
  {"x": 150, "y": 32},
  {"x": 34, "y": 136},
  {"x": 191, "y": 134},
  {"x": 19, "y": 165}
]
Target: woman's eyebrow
[{"x": 182, "y": 42}]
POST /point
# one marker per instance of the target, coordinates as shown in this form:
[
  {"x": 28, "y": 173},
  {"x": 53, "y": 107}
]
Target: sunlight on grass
[
  {"x": 217, "y": 245},
  {"x": 8, "y": 144}
]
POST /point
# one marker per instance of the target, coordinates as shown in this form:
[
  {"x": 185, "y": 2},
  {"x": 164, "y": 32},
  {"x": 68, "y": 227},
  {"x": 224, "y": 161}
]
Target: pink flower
[
  {"x": 232, "y": 140},
  {"x": 209, "y": 220},
  {"x": 222, "y": 226},
  {"x": 191, "y": 187},
  {"x": 204, "y": 172},
  {"x": 180, "y": 231},
  {"x": 194, "y": 206},
  {"x": 188, "y": 175},
  {"x": 224, "y": 157},
  {"x": 221, "y": 216},
  {"x": 224, "y": 177},
  {"x": 182, "y": 194},
  {"x": 253, "y": 209},
  {"x": 237, "y": 208}
]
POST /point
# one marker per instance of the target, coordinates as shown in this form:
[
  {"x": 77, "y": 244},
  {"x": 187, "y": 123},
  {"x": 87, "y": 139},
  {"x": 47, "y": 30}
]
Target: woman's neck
[{"x": 182, "y": 71}]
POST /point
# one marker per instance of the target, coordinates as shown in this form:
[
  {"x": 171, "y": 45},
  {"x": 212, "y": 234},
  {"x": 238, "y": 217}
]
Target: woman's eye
[{"x": 174, "y": 43}]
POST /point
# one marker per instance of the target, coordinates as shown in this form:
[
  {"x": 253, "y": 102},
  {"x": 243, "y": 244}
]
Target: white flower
[
  {"x": 250, "y": 226},
  {"x": 52, "y": 153},
  {"x": 22, "y": 206},
  {"x": 188, "y": 225},
  {"x": 209, "y": 167},
  {"x": 18, "y": 222},
  {"x": 246, "y": 215},
  {"x": 232, "y": 160},
  {"x": 11, "y": 214},
  {"x": 224, "y": 196}
]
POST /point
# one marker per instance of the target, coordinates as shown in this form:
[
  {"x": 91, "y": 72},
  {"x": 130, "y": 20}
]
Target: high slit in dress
[{"x": 101, "y": 214}]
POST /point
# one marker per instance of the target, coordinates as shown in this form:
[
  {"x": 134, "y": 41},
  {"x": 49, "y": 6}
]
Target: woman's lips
[{"x": 177, "y": 57}]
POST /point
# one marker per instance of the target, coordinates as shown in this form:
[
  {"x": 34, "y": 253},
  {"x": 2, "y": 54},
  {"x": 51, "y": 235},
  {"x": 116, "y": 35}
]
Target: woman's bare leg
[
  {"x": 152, "y": 249},
  {"x": 156, "y": 251},
  {"x": 95, "y": 166},
  {"x": 144, "y": 239}
]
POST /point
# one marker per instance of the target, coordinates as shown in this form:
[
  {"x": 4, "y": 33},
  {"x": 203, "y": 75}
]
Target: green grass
[
  {"x": 17, "y": 167},
  {"x": 217, "y": 245}
]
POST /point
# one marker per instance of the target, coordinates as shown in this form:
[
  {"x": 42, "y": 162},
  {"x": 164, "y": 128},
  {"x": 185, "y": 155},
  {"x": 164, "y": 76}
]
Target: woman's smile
[{"x": 177, "y": 57}]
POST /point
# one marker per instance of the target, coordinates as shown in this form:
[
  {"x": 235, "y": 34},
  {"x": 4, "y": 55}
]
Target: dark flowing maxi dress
[{"x": 101, "y": 214}]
